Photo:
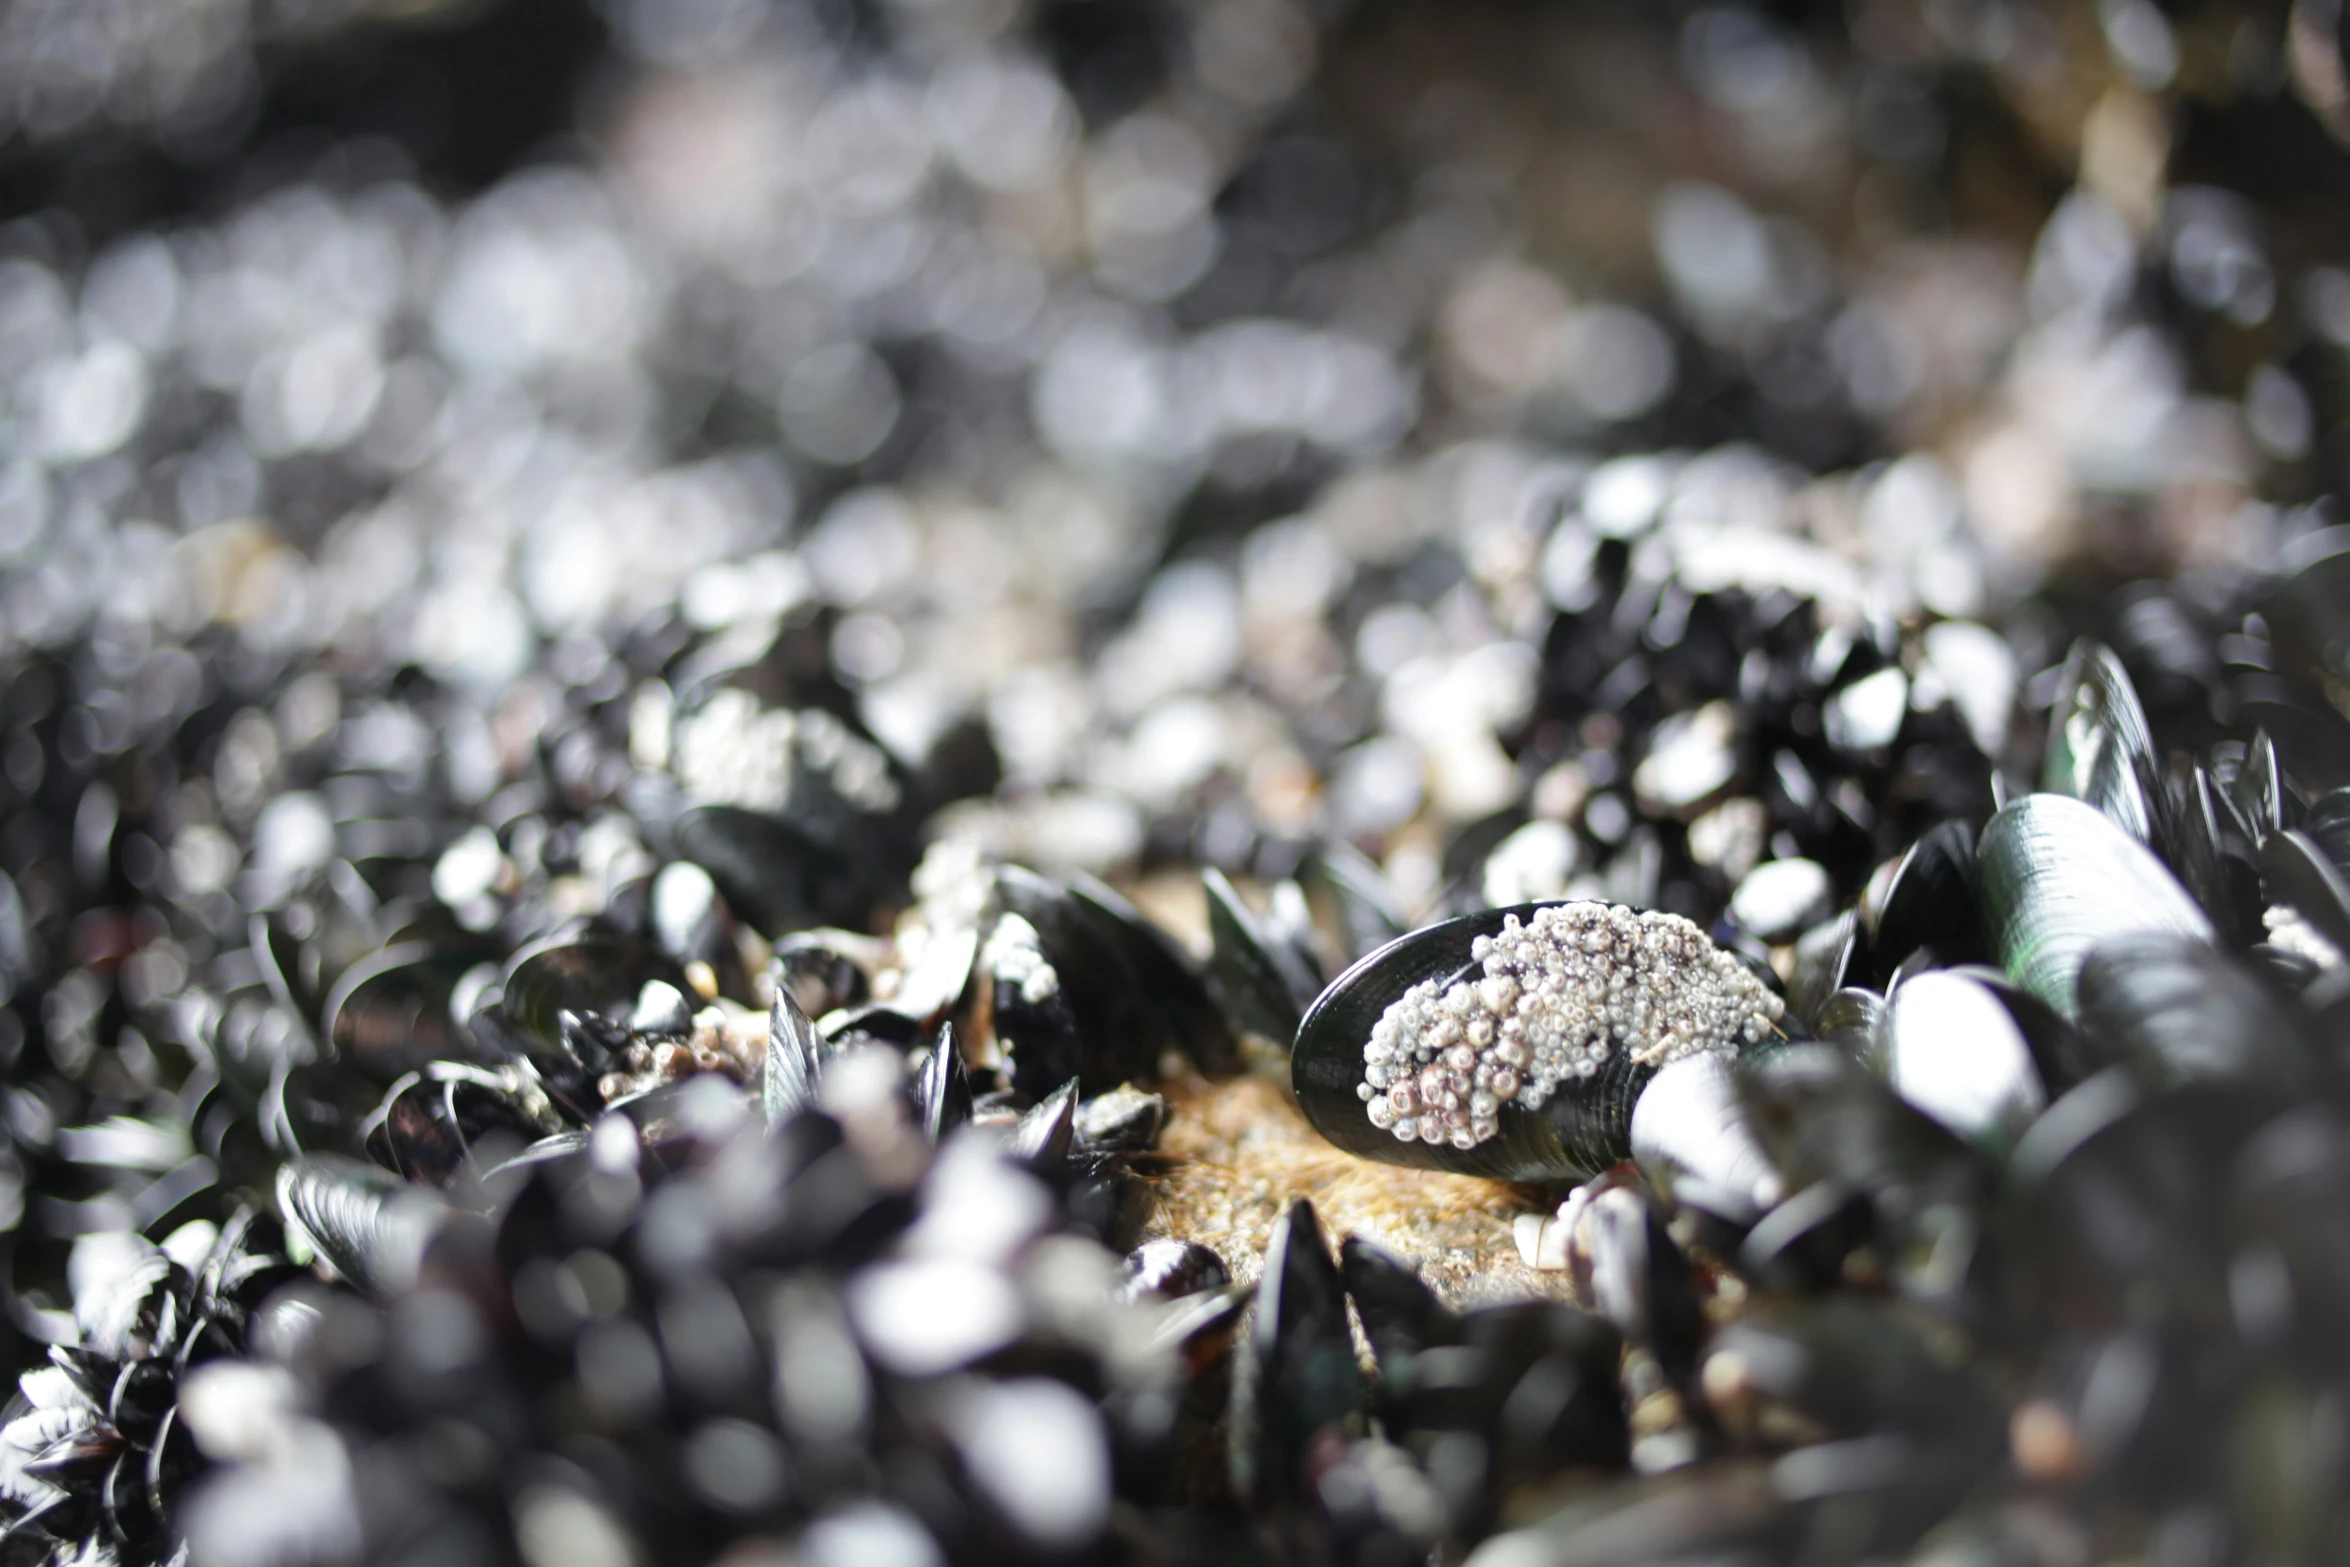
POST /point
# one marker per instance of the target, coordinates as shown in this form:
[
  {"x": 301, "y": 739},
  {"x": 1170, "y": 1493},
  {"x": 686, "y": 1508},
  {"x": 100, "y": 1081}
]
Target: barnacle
[{"x": 1548, "y": 1002}]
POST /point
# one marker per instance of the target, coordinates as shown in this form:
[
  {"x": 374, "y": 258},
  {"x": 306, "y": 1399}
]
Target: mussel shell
[
  {"x": 2057, "y": 878},
  {"x": 2100, "y": 747},
  {"x": 430, "y": 1122},
  {"x": 1849, "y": 1020},
  {"x": 778, "y": 874},
  {"x": 2327, "y": 822},
  {"x": 1582, "y": 1129},
  {"x": 1043, "y": 1135},
  {"x": 1169, "y": 1269},
  {"x": 370, "y": 1225},
  {"x": 1950, "y": 1049},
  {"x": 2116, "y": 1202},
  {"x": 1352, "y": 894},
  {"x": 1641, "y": 1281},
  {"x": 1854, "y": 1366},
  {"x": 1929, "y": 902},
  {"x": 591, "y": 975},
  {"x": 1401, "y": 1315},
  {"x": 790, "y": 1071},
  {"x": 822, "y": 969},
  {"x": 2259, "y": 789},
  {"x": 1171, "y": 984},
  {"x": 2290, "y": 1187},
  {"x": 2060, "y": 1053},
  {"x": 1690, "y": 1136},
  {"x": 1295, "y": 1380},
  {"x": 2219, "y": 855},
  {"x": 2296, "y": 871},
  {"x": 1536, "y": 1386},
  {"x": 2304, "y": 608},
  {"x": 2312, "y": 740},
  {"x": 317, "y": 1107},
  {"x": 1827, "y": 957},
  {"x": 941, "y": 1093},
  {"x": 1125, "y": 996},
  {"x": 1264, "y": 984},
  {"x": 389, "y": 1013},
  {"x": 2177, "y": 1012},
  {"x": 288, "y": 968},
  {"x": 1862, "y": 1167}
]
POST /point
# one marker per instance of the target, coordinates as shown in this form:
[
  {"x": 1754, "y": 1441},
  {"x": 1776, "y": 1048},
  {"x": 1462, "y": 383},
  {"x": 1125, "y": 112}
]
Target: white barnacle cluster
[
  {"x": 1014, "y": 955},
  {"x": 732, "y": 751},
  {"x": 1548, "y": 1002}
]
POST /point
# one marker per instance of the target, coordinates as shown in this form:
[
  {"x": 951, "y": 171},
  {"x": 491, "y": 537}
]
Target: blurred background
[{"x": 449, "y": 336}]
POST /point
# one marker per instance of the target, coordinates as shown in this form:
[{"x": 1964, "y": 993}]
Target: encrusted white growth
[
  {"x": 1015, "y": 956},
  {"x": 1555, "y": 999},
  {"x": 732, "y": 751}
]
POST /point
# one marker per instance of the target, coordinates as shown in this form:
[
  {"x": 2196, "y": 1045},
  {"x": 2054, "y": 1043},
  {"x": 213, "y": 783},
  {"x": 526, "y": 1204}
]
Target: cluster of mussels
[{"x": 732, "y": 843}]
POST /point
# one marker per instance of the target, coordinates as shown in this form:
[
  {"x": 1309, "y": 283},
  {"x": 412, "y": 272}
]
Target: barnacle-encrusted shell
[{"x": 1548, "y": 1001}]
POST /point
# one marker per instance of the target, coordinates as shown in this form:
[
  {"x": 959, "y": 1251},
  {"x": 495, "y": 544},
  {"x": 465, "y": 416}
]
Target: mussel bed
[{"x": 1342, "y": 781}]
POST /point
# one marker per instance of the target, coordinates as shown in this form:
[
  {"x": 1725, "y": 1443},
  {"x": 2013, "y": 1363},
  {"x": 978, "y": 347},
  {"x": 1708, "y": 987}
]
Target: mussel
[
  {"x": 1527, "y": 1033},
  {"x": 2056, "y": 878}
]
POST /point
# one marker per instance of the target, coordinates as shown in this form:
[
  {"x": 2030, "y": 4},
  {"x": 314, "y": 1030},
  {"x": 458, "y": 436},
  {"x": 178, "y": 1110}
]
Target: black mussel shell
[
  {"x": 431, "y": 1121},
  {"x": 2062, "y": 1055},
  {"x": 1353, "y": 894},
  {"x": 2327, "y": 822},
  {"x": 1849, "y": 1020},
  {"x": 1641, "y": 1281},
  {"x": 501, "y": 1178},
  {"x": 2259, "y": 788},
  {"x": 2100, "y": 747},
  {"x": 1854, "y": 1366},
  {"x": 1126, "y": 1120},
  {"x": 942, "y": 1093},
  {"x": 1401, "y": 1316},
  {"x": 369, "y": 1225},
  {"x": 2291, "y": 1185},
  {"x": 1122, "y": 994},
  {"x": 782, "y": 874},
  {"x": 289, "y": 969},
  {"x": 2219, "y": 857},
  {"x": 2056, "y": 878},
  {"x": 2304, "y": 608},
  {"x": 1264, "y": 983},
  {"x": 1582, "y": 1129},
  {"x": 2178, "y": 1012},
  {"x": 788, "y": 1078},
  {"x": 1172, "y": 985},
  {"x": 2312, "y": 740},
  {"x": 1690, "y": 1137},
  {"x": 1949, "y": 1046},
  {"x": 1929, "y": 903},
  {"x": 1909, "y": 1430},
  {"x": 1534, "y": 1384},
  {"x": 2297, "y": 871},
  {"x": 586, "y": 975},
  {"x": 2117, "y": 1201},
  {"x": 1295, "y": 1380},
  {"x": 1863, "y": 1170},
  {"x": 688, "y": 916},
  {"x": 1828, "y": 957},
  {"x": 1169, "y": 1269},
  {"x": 1042, "y": 1136},
  {"x": 317, "y": 1107},
  {"x": 389, "y": 1012},
  {"x": 822, "y": 969}
]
